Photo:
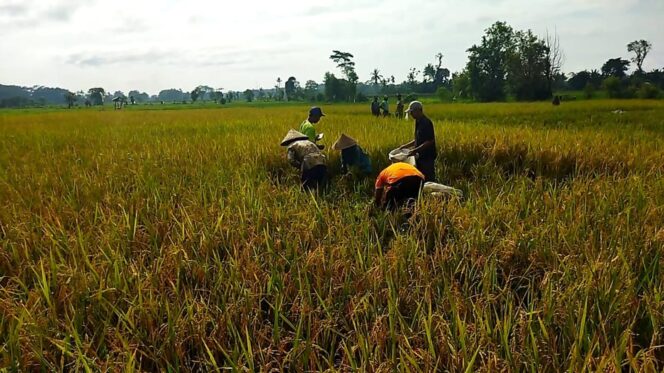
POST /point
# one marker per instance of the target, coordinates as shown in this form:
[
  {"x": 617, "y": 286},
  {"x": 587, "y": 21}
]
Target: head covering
[
  {"x": 415, "y": 105},
  {"x": 344, "y": 142},
  {"x": 316, "y": 111},
  {"x": 293, "y": 136}
]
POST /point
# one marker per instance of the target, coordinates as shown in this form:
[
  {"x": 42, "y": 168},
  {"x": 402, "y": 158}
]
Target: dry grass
[{"x": 179, "y": 240}]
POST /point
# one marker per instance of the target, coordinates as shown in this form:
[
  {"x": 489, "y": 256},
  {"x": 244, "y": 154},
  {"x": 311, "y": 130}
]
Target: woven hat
[
  {"x": 293, "y": 136},
  {"x": 344, "y": 142}
]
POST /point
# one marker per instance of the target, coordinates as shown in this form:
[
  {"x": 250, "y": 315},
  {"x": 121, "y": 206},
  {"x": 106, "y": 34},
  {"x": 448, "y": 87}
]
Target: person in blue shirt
[{"x": 352, "y": 155}]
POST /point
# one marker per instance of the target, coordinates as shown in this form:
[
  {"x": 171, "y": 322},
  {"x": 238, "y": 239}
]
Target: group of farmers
[
  {"x": 383, "y": 108},
  {"x": 396, "y": 185}
]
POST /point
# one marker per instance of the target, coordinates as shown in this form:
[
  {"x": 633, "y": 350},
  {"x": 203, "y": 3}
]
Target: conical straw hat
[
  {"x": 293, "y": 136},
  {"x": 344, "y": 142}
]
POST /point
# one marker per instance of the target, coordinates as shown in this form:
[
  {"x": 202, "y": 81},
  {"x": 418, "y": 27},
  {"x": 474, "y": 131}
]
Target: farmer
[
  {"x": 385, "y": 107},
  {"x": 399, "y": 111},
  {"x": 397, "y": 185},
  {"x": 352, "y": 156},
  {"x": 423, "y": 148},
  {"x": 307, "y": 157},
  {"x": 307, "y": 127},
  {"x": 375, "y": 107}
]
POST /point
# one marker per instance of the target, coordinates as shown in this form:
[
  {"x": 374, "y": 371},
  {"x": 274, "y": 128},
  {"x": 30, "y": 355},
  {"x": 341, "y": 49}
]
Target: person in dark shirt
[
  {"x": 423, "y": 148},
  {"x": 375, "y": 107},
  {"x": 399, "y": 112}
]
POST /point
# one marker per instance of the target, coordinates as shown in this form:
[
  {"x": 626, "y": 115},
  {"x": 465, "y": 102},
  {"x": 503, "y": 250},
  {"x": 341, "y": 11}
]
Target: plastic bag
[
  {"x": 440, "y": 189},
  {"x": 401, "y": 155}
]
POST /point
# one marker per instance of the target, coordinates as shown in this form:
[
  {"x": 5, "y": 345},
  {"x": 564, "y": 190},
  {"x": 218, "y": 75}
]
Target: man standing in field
[
  {"x": 307, "y": 127},
  {"x": 375, "y": 107},
  {"x": 423, "y": 148},
  {"x": 385, "y": 107},
  {"x": 399, "y": 111}
]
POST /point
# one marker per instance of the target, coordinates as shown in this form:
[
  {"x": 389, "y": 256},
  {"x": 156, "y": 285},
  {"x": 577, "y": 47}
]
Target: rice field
[{"x": 179, "y": 240}]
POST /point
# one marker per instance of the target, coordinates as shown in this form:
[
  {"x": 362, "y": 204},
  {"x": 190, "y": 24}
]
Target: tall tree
[
  {"x": 70, "y": 98},
  {"x": 555, "y": 58},
  {"x": 429, "y": 73},
  {"x": 277, "y": 90},
  {"x": 487, "y": 63},
  {"x": 615, "y": 67},
  {"x": 528, "y": 68},
  {"x": 640, "y": 48},
  {"x": 412, "y": 77},
  {"x": 291, "y": 88},
  {"x": 376, "y": 77},
  {"x": 195, "y": 94},
  {"x": 97, "y": 95},
  {"x": 311, "y": 90},
  {"x": 344, "y": 61},
  {"x": 249, "y": 95},
  {"x": 333, "y": 90}
]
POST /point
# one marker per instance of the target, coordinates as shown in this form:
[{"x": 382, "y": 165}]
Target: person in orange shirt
[{"x": 396, "y": 185}]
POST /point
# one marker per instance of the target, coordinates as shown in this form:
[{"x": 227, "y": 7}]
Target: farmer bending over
[
  {"x": 307, "y": 157},
  {"x": 398, "y": 185},
  {"x": 352, "y": 156}
]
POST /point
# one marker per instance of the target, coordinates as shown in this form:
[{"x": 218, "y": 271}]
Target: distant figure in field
[
  {"x": 375, "y": 107},
  {"x": 423, "y": 147},
  {"x": 385, "y": 107},
  {"x": 398, "y": 185},
  {"x": 307, "y": 127},
  {"x": 307, "y": 157},
  {"x": 399, "y": 110},
  {"x": 556, "y": 101},
  {"x": 352, "y": 155}
]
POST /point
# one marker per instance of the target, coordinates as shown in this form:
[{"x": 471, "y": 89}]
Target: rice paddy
[{"x": 168, "y": 240}]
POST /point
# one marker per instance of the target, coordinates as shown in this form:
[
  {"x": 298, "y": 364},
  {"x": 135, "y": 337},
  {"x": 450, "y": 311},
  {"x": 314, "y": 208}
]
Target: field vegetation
[{"x": 179, "y": 240}]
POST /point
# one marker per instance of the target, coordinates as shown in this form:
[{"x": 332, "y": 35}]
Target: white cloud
[{"x": 151, "y": 45}]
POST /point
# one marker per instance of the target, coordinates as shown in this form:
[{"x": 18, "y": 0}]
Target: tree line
[{"x": 505, "y": 64}]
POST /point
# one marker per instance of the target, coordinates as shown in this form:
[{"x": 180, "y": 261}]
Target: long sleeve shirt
[{"x": 305, "y": 155}]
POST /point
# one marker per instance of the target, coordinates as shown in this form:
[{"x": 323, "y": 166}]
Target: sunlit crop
[{"x": 173, "y": 240}]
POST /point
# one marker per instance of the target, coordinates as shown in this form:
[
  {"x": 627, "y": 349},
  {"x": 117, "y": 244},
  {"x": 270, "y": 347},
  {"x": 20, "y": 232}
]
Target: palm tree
[
  {"x": 278, "y": 89},
  {"x": 376, "y": 77}
]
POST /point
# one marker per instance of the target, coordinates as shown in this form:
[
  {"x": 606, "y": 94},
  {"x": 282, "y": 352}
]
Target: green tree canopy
[
  {"x": 97, "y": 95},
  {"x": 487, "y": 63},
  {"x": 640, "y": 48},
  {"x": 615, "y": 67}
]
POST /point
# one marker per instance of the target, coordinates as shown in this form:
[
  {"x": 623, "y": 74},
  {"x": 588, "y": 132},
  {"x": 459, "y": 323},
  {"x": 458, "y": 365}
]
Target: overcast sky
[{"x": 156, "y": 44}]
